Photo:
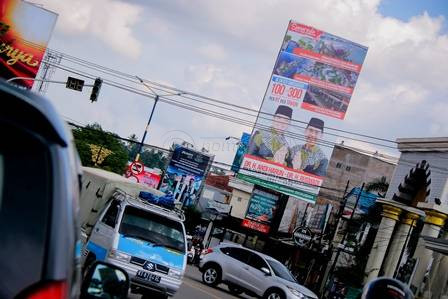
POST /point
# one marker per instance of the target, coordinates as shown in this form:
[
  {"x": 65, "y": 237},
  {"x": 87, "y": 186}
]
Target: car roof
[{"x": 236, "y": 245}]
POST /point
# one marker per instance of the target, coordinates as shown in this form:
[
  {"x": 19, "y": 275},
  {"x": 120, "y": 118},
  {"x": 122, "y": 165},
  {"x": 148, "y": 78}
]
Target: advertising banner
[
  {"x": 25, "y": 30},
  {"x": 261, "y": 211},
  {"x": 185, "y": 174},
  {"x": 242, "y": 148},
  {"x": 310, "y": 87},
  {"x": 329, "y": 64}
]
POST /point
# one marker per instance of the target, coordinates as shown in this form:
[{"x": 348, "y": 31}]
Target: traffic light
[
  {"x": 415, "y": 186},
  {"x": 96, "y": 89}
]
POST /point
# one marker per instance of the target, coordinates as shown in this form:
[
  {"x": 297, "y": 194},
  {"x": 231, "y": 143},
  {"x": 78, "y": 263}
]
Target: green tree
[
  {"x": 132, "y": 147},
  {"x": 154, "y": 159},
  {"x": 380, "y": 185},
  {"x": 94, "y": 135}
]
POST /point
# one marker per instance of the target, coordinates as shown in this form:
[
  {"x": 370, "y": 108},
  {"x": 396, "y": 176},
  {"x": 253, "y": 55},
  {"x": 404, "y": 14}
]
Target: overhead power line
[
  {"x": 216, "y": 114},
  {"x": 196, "y": 97},
  {"x": 232, "y": 119}
]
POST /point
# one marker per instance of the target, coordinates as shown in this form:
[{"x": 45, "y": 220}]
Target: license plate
[{"x": 147, "y": 276}]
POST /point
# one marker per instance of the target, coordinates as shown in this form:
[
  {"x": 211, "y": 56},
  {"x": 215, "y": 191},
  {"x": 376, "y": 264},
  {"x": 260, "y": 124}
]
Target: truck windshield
[{"x": 156, "y": 229}]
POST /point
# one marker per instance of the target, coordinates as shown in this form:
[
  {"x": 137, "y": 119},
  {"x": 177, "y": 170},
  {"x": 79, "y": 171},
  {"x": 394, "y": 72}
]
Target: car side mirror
[
  {"x": 265, "y": 271},
  {"x": 104, "y": 280}
]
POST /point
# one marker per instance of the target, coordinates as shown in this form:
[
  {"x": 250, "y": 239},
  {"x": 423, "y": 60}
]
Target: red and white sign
[
  {"x": 264, "y": 228},
  {"x": 136, "y": 168}
]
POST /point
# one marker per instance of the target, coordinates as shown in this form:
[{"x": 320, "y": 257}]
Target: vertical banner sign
[
  {"x": 25, "y": 30},
  {"x": 311, "y": 85},
  {"x": 185, "y": 174},
  {"x": 261, "y": 211},
  {"x": 242, "y": 148}
]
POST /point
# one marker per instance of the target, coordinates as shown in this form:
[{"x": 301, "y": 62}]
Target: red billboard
[{"x": 25, "y": 30}]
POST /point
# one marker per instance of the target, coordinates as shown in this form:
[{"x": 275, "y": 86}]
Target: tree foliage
[
  {"x": 94, "y": 135},
  {"x": 379, "y": 184},
  {"x": 151, "y": 158}
]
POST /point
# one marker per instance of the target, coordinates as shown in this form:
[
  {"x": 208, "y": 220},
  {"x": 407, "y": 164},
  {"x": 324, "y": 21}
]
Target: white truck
[{"x": 145, "y": 239}]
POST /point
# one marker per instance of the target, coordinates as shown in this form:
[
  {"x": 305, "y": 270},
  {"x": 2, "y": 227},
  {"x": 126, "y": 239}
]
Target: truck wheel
[{"x": 211, "y": 275}]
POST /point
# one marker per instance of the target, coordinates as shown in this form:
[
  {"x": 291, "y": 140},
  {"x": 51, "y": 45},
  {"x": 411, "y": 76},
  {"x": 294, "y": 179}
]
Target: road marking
[{"x": 202, "y": 290}]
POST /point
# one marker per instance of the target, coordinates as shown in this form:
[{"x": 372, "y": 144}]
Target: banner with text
[
  {"x": 261, "y": 211},
  {"x": 25, "y": 30},
  {"x": 311, "y": 85},
  {"x": 185, "y": 174}
]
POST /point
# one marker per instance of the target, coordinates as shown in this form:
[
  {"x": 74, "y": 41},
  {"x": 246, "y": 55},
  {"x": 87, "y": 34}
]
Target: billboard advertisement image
[
  {"x": 310, "y": 87},
  {"x": 25, "y": 30},
  {"x": 242, "y": 148},
  {"x": 260, "y": 211},
  {"x": 184, "y": 175}
]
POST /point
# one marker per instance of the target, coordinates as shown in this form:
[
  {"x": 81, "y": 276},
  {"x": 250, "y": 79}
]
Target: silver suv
[{"x": 251, "y": 272}]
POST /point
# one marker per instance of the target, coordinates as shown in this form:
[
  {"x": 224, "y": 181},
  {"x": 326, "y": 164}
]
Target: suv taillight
[
  {"x": 207, "y": 251},
  {"x": 50, "y": 290}
]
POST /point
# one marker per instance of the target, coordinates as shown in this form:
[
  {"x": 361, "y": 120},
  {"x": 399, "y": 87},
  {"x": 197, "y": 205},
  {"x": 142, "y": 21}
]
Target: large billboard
[
  {"x": 184, "y": 175},
  {"x": 261, "y": 210},
  {"x": 310, "y": 87},
  {"x": 25, "y": 30}
]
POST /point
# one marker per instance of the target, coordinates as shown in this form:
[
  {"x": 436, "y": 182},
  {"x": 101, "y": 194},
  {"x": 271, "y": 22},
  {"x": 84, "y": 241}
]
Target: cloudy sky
[{"x": 227, "y": 49}]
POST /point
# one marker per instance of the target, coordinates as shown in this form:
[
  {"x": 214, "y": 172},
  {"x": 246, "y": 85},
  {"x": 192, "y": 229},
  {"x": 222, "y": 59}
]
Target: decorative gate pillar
[
  {"x": 399, "y": 242},
  {"x": 390, "y": 216},
  {"x": 434, "y": 220}
]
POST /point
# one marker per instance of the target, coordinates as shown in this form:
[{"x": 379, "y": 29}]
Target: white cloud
[
  {"x": 111, "y": 21},
  {"x": 226, "y": 50},
  {"x": 212, "y": 51}
]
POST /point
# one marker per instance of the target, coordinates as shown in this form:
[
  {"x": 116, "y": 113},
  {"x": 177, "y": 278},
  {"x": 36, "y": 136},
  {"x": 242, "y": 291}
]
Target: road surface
[{"x": 192, "y": 287}]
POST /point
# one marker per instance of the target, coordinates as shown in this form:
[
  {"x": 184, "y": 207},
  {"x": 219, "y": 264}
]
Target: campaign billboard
[
  {"x": 241, "y": 150},
  {"x": 287, "y": 150},
  {"x": 25, "y": 30},
  {"x": 261, "y": 210},
  {"x": 329, "y": 64},
  {"x": 184, "y": 175}
]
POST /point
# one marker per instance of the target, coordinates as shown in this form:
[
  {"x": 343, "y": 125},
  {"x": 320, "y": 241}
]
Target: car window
[
  {"x": 257, "y": 262},
  {"x": 26, "y": 180},
  {"x": 240, "y": 254},
  {"x": 110, "y": 217},
  {"x": 281, "y": 271}
]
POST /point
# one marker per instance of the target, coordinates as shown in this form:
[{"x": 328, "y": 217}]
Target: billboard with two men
[{"x": 310, "y": 87}]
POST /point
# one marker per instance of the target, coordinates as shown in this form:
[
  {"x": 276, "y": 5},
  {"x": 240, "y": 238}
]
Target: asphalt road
[{"x": 192, "y": 287}]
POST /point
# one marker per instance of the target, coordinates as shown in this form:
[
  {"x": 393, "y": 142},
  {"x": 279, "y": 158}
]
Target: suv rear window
[{"x": 25, "y": 193}]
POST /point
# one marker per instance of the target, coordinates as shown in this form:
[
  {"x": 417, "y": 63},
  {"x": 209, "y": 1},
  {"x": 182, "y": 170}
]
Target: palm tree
[{"x": 380, "y": 185}]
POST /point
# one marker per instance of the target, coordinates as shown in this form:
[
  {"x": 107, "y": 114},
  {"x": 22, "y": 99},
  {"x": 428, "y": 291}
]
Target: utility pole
[
  {"x": 156, "y": 100},
  {"x": 140, "y": 146}
]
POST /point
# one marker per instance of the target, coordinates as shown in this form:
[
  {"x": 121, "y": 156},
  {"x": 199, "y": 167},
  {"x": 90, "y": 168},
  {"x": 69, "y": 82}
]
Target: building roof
[
  {"x": 426, "y": 144},
  {"x": 219, "y": 182},
  {"x": 383, "y": 157}
]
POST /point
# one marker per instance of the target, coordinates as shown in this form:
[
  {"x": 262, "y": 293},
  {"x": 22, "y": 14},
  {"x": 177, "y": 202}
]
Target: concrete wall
[
  {"x": 348, "y": 164},
  {"x": 239, "y": 203}
]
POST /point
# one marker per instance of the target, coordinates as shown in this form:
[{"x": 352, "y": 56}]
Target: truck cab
[{"x": 146, "y": 240}]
